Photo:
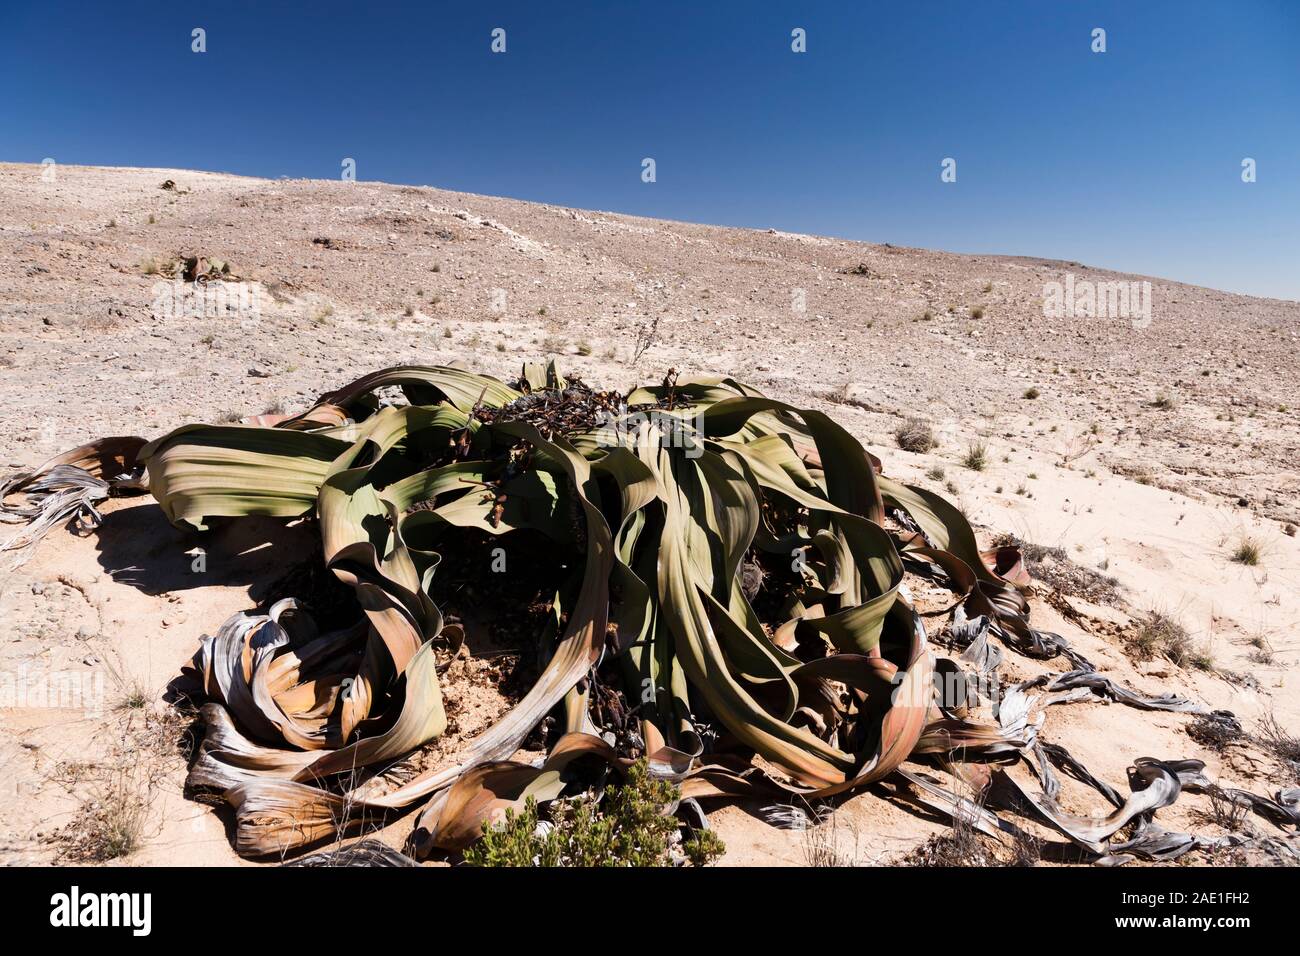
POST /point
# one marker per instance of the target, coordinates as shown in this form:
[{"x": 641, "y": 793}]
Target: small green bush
[{"x": 628, "y": 828}]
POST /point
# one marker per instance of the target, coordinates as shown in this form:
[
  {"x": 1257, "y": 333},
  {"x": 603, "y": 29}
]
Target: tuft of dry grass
[
  {"x": 1279, "y": 742},
  {"x": 134, "y": 697},
  {"x": 1227, "y": 810},
  {"x": 1248, "y": 551},
  {"x": 976, "y": 456},
  {"x": 915, "y": 435},
  {"x": 962, "y": 845},
  {"x": 109, "y": 824},
  {"x": 1160, "y": 634},
  {"x": 822, "y": 845}
]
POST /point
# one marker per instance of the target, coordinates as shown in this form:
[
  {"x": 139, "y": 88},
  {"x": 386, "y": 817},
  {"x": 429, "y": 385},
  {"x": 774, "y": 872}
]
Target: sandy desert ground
[{"x": 1149, "y": 455}]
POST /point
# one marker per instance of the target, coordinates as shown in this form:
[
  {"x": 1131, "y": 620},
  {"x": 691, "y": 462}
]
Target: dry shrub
[
  {"x": 1279, "y": 742},
  {"x": 1248, "y": 551},
  {"x": 1053, "y": 567},
  {"x": 1216, "y": 730},
  {"x": 964, "y": 845},
  {"x": 1159, "y": 634},
  {"x": 915, "y": 435},
  {"x": 1226, "y": 810},
  {"x": 976, "y": 456},
  {"x": 823, "y": 844},
  {"x": 109, "y": 824}
]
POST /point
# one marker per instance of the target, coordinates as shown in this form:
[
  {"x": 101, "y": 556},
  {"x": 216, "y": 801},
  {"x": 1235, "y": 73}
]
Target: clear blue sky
[{"x": 1129, "y": 159}]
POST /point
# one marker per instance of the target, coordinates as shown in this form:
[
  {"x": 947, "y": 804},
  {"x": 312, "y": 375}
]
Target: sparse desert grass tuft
[
  {"x": 157, "y": 265},
  {"x": 584, "y": 348},
  {"x": 976, "y": 456},
  {"x": 822, "y": 844},
  {"x": 821, "y": 830},
  {"x": 1279, "y": 742},
  {"x": 819, "y": 850},
  {"x": 1158, "y": 633},
  {"x": 1032, "y": 392},
  {"x": 915, "y": 435},
  {"x": 1163, "y": 400},
  {"x": 1247, "y": 551},
  {"x": 977, "y": 312},
  {"x": 109, "y": 824},
  {"x": 1262, "y": 652},
  {"x": 935, "y": 474},
  {"x": 134, "y": 697},
  {"x": 1226, "y": 810},
  {"x": 964, "y": 845},
  {"x": 116, "y": 826}
]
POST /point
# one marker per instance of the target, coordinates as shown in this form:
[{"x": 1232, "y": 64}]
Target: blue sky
[{"x": 1129, "y": 159}]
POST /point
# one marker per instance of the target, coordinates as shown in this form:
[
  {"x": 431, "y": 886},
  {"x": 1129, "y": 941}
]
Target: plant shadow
[{"x": 138, "y": 546}]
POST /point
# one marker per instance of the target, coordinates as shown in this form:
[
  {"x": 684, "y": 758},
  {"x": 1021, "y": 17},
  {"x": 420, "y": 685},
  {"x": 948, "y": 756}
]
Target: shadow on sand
[{"x": 140, "y": 547}]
